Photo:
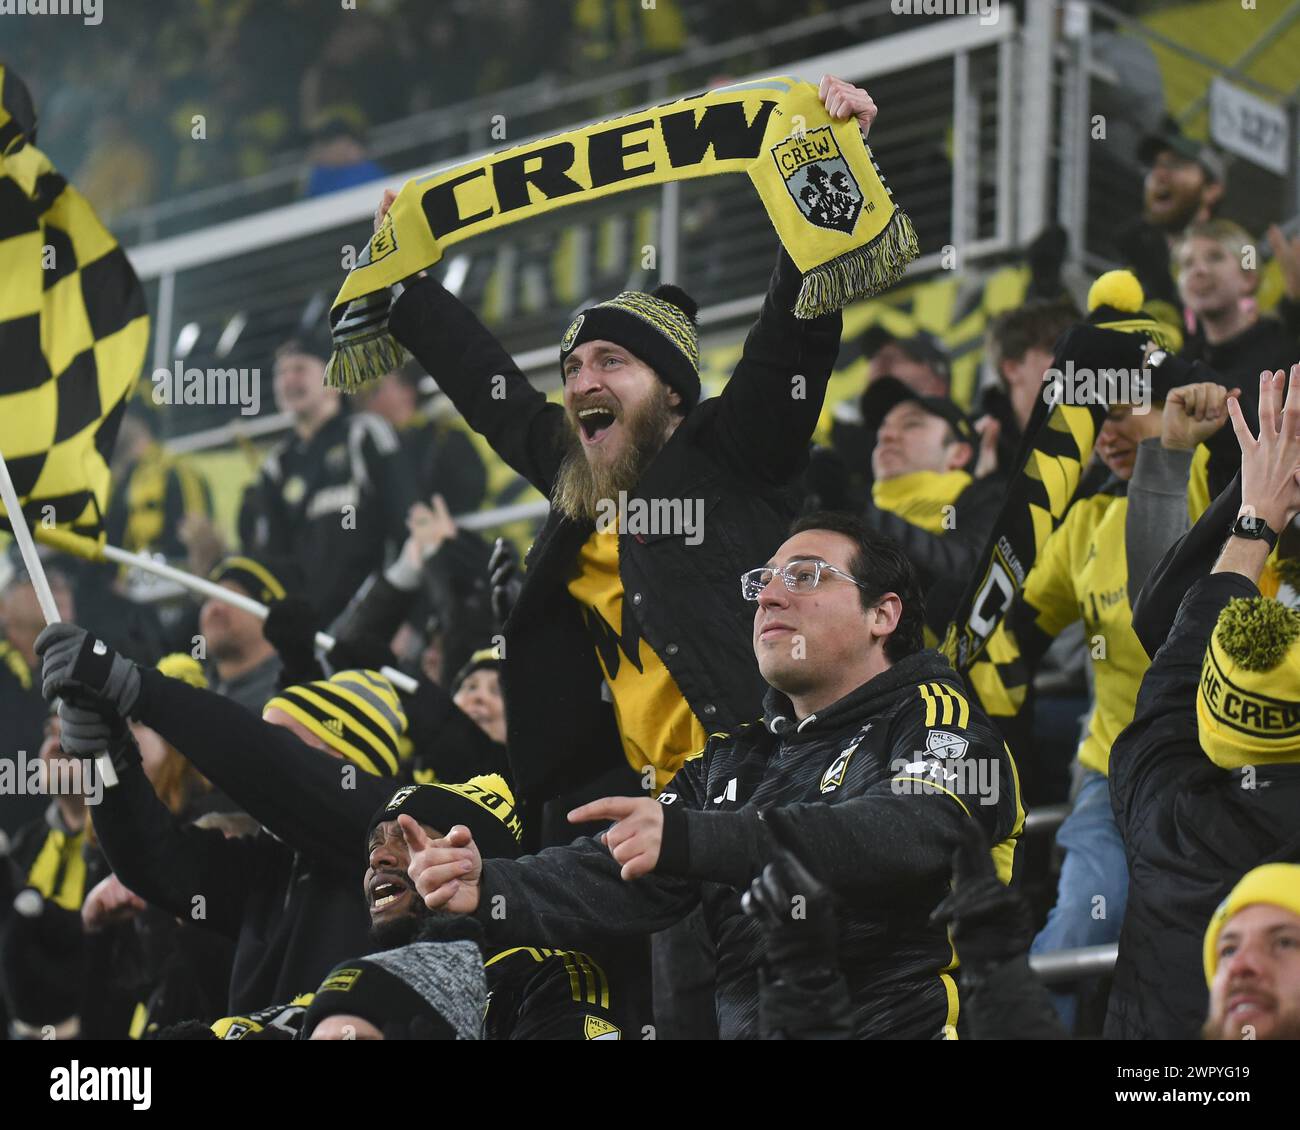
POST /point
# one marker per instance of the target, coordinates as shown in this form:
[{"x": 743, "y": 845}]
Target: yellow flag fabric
[
  {"x": 73, "y": 331},
  {"x": 815, "y": 176}
]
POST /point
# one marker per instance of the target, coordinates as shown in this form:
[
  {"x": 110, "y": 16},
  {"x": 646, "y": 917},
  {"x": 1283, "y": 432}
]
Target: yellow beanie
[
  {"x": 1277, "y": 884},
  {"x": 1248, "y": 703},
  {"x": 357, "y": 713}
]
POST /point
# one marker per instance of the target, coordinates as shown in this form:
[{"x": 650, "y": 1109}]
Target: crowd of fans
[
  {"x": 725, "y": 786},
  {"x": 294, "y": 80}
]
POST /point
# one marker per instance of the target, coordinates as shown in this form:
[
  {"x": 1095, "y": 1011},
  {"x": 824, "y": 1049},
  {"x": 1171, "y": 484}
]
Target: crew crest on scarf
[{"x": 816, "y": 177}]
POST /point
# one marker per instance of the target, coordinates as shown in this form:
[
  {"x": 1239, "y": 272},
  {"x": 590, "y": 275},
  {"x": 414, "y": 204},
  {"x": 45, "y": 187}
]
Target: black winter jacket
[
  {"x": 737, "y": 452},
  {"x": 1190, "y": 829},
  {"x": 856, "y": 782}
]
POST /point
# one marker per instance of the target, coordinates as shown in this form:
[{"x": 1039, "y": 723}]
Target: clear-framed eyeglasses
[{"x": 799, "y": 577}]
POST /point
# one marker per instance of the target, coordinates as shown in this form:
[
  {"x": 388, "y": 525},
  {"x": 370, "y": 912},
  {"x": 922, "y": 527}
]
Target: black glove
[
  {"x": 90, "y": 731},
  {"x": 503, "y": 569},
  {"x": 81, "y": 668},
  {"x": 1046, "y": 257},
  {"x": 795, "y": 911},
  {"x": 365, "y": 650},
  {"x": 290, "y": 628},
  {"x": 990, "y": 924}
]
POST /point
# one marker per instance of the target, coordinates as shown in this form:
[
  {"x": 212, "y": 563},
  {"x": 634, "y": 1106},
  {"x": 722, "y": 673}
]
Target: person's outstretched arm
[{"x": 481, "y": 379}]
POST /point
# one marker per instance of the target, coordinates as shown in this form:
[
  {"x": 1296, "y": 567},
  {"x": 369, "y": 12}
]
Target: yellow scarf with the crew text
[{"x": 815, "y": 176}]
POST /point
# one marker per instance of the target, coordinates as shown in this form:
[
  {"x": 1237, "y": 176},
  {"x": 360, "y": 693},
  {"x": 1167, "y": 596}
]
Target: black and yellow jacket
[
  {"x": 156, "y": 493},
  {"x": 738, "y": 453},
  {"x": 875, "y": 787},
  {"x": 1081, "y": 574}
]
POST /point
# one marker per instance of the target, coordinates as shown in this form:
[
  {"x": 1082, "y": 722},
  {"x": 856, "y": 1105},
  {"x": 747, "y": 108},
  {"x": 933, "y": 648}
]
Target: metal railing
[{"x": 947, "y": 138}]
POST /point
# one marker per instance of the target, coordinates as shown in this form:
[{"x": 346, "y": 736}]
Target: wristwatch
[{"x": 1256, "y": 529}]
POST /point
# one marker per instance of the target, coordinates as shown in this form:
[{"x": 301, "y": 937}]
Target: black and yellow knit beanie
[
  {"x": 659, "y": 328},
  {"x": 356, "y": 713},
  {"x": 1248, "y": 703}
]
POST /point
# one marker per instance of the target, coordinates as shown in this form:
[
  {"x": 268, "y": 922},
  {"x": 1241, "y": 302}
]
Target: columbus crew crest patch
[
  {"x": 819, "y": 179},
  {"x": 566, "y": 342}
]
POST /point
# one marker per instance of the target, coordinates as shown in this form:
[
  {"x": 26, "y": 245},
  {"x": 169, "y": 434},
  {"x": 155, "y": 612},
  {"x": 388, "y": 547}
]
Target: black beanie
[
  {"x": 484, "y": 804},
  {"x": 659, "y": 328}
]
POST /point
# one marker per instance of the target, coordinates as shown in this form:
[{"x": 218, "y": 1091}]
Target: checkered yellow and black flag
[{"x": 73, "y": 331}]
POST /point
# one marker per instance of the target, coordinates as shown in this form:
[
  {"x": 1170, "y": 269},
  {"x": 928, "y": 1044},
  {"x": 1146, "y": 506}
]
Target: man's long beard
[{"x": 580, "y": 486}]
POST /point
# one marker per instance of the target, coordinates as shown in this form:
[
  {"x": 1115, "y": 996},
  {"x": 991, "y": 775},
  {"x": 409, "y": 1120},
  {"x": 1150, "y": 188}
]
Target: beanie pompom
[
  {"x": 678, "y": 297},
  {"x": 1256, "y": 633},
  {"x": 1118, "y": 289}
]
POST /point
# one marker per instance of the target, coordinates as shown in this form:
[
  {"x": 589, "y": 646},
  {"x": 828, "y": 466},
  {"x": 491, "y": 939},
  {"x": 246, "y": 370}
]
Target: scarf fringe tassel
[
  {"x": 356, "y": 362},
  {"x": 860, "y": 273}
]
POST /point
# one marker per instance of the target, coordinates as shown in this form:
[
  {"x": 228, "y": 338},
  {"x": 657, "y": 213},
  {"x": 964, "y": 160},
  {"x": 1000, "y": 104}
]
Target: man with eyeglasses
[{"x": 870, "y": 749}]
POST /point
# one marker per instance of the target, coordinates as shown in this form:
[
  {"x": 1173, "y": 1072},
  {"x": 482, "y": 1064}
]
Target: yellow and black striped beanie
[
  {"x": 253, "y": 577},
  {"x": 659, "y": 328},
  {"x": 356, "y": 713},
  {"x": 1248, "y": 703}
]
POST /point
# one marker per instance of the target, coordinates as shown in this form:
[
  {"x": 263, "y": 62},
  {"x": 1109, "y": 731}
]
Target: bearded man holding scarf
[{"x": 625, "y": 650}]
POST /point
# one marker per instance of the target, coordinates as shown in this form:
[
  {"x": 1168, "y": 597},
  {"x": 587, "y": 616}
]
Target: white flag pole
[
  {"x": 31, "y": 559},
  {"x": 40, "y": 582},
  {"x": 86, "y": 547}
]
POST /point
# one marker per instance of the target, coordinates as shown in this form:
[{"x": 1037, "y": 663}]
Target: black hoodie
[{"x": 858, "y": 782}]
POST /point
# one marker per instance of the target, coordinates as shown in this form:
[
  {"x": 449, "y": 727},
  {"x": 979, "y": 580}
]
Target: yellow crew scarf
[
  {"x": 1248, "y": 703},
  {"x": 920, "y": 497},
  {"x": 815, "y": 176},
  {"x": 1277, "y": 884}
]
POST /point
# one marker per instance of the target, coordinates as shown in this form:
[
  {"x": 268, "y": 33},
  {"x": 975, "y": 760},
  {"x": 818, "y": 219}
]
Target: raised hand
[
  {"x": 446, "y": 871},
  {"x": 77, "y": 665},
  {"x": 1270, "y": 463},
  {"x": 843, "y": 101},
  {"x": 1194, "y": 413}
]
